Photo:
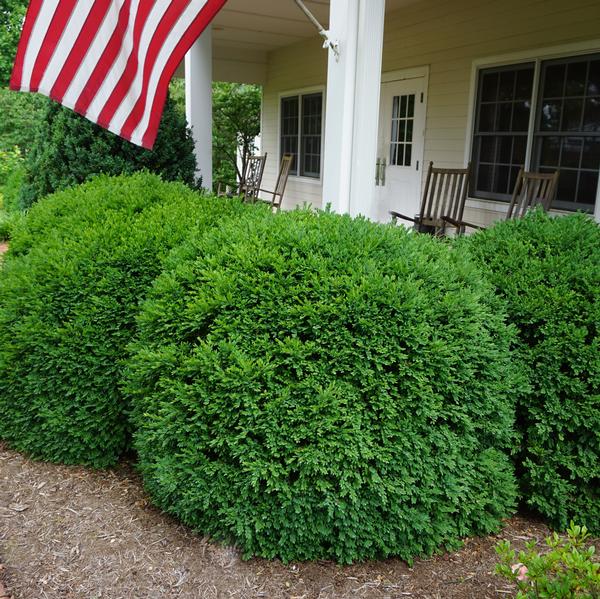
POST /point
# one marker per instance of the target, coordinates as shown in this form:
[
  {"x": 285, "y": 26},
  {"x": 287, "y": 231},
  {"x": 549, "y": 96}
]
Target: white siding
[
  {"x": 293, "y": 69},
  {"x": 448, "y": 36}
]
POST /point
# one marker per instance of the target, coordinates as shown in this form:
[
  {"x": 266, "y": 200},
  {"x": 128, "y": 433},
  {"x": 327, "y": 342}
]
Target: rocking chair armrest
[
  {"x": 461, "y": 223},
  {"x": 402, "y": 216}
]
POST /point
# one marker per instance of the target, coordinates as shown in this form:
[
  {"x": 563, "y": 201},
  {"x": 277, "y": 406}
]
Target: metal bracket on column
[{"x": 328, "y": 43}]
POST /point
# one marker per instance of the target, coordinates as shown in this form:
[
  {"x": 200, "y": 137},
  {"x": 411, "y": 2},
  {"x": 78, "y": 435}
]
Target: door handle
[
  {"x": 383, "y": 167},
  {"x": 377, "y": 167}
]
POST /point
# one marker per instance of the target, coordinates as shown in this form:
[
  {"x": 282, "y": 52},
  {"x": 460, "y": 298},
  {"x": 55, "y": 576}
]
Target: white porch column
[
  {"x": 352, "y": 112},
  {"x": 198, "y": 103}
]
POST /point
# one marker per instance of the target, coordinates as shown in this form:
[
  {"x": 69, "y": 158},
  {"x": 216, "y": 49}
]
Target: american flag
[{"x": 109, "y": 60}]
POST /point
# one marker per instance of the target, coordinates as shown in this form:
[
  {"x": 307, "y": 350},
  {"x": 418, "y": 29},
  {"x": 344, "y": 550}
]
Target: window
[
  {"x": 567, "y": 131},
  {"x": 403, "y": 118},
  {"x": 301, "y": 131},
  {"x": 502, "y": 123},
  {"x": 556, "y": 123}
]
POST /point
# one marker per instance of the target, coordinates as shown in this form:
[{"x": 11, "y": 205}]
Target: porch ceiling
[{"x": 245, "y": 31}]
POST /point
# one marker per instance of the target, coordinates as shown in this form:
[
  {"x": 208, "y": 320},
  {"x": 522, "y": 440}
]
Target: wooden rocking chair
[
  {"x": 251, "y": 178},
  {"x": 443, "y": 202},
  {"x": 282, "y": 179},
  {"x": 531, "y": 190}
]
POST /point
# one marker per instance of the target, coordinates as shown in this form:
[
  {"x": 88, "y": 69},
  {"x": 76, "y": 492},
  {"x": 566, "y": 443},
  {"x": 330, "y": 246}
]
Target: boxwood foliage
[
  {"x": 69, "y": 292},
  {"x": 311, "y": 386},
  {"x": 548, "y": 271}
]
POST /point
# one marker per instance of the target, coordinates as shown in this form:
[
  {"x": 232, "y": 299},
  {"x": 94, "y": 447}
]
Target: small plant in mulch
[{"x": 569, "y": 569}]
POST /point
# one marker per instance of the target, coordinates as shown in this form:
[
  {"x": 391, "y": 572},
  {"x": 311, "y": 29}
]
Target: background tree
[
  {"x": 236, "y": 114},
  {"x": 20, "y": 115},
  {"x": 69, "y": 149},
  {"x": 12, "y": 13}
]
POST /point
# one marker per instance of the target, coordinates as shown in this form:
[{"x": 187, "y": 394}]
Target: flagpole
[{"x": 333, "y": 45}]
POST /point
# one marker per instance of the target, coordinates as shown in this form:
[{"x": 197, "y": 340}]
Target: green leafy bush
[
  {"x": 568, "y": 570},
  {"x": 69, "y": 149},
  {"x": 11, "y": 191},
  {"x": 9, "y": 161},
  {"x": 79, "y": 264},
  {"x": 8, "y": 222},
  {"x": 548, "y": 271},
  {"x": 310, "y": 386}
]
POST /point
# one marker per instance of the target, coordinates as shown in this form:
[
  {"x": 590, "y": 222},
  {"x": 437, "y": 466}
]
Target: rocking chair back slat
[
  {"x": 531, "y": 190},
  {"x": 252, "y": 178},
  {"x": 282, "y": 179}
]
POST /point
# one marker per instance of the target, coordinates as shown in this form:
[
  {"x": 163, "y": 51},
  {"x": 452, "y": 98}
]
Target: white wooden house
[{"x": 498, "y": 83}]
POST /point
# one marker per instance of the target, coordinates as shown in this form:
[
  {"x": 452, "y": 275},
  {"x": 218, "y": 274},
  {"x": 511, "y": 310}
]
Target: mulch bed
[{"x": 70, "y": 532}]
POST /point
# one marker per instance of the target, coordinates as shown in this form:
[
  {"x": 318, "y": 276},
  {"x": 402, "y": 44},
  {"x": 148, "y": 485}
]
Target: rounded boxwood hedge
[
  {"x": 80, "y": 263},
  {"x": 311, "y": 386},
  {"x": 548, "y": 272}
]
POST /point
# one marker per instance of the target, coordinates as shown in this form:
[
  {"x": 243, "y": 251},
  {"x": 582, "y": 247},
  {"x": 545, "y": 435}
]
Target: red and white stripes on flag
[{"x": 109, "y": 60}]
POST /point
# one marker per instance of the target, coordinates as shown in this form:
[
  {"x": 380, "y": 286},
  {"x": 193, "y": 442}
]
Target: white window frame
[
  {"x": 536, "y": 57},
  {"x": 305, "y": 91}
]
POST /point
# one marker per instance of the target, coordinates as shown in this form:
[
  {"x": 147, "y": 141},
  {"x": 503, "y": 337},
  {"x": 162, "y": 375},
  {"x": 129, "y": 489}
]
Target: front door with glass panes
[{"x": 399, "y": 165}]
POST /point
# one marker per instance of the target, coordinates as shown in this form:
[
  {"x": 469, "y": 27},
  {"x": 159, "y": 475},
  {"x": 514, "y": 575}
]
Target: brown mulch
[{"x": 70, "y": 532}]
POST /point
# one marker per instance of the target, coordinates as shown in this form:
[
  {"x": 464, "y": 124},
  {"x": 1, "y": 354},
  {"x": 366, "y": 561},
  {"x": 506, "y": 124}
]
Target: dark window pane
[
  {"x": 504, "y": 116},
  {"x": 550, "y": 117},
  {"x": 591, "y": 118},
  {"x": 396, "y": 107},
  {"x": 489, "y": 87},
  {"x": 567, "y": 186},
  {"x": 411, "y": 106},
  {"x": 524, "y": 87},
  {"x": 403, "y": 107},
  {"x": 519, "y": 150},
  {"x": 506, "y": 89},
  {"x": 550, "y": 152},
  {"x": 501, "y": 179},
  {"x": 591, "y": 153},
  {"x": 408, "y": 155},
  {"x": 593, "y": 88},
  {"x": 312, "y": 109},
  {"x": 488, "y": 149},
  {"x": 571, "y": 152},
  {"x": 576, "y": 79},
  {"x": 409, "y": 130},
  {"x": 572, "y": 114},
  {"x": 505, "y": 153},
  {"x": 401, "y": 130},
  {"x": 554, "y": 81},
  {"x": 514, "y": 173},
  {"x": 588, "y": 186},
  {"x": 484, "y": 178},
  {"x": 394, "y": 137},
  {"x": 487, "y": 118},
  {"x": 521, "y": 115}
]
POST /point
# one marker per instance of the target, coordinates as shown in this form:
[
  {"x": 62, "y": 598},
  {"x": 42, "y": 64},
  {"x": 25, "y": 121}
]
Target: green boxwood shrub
[
  {"x": 309, "y": 386},
  {"x": 548, "y": 271},
  {"x": 79, "y": 265}
]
